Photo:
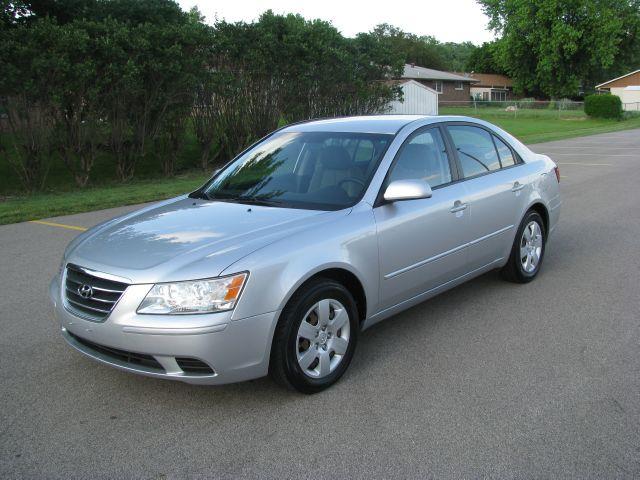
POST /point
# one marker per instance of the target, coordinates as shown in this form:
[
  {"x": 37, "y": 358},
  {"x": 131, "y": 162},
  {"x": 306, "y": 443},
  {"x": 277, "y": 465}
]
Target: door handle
[
  {"x": 517, "y": 187},
  {"x": 458, "y": 206}
]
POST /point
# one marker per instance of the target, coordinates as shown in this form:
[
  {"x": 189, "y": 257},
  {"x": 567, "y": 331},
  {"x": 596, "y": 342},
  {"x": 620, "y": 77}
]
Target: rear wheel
[
  {"x": 315, "y": 338},
  {"x": 527, "y": 252}
]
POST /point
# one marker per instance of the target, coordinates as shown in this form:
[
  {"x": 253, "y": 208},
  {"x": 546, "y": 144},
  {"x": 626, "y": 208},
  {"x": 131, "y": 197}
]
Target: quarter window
[
  {"x": 505, "y": 153},
  {"x": 423, "y": 157},
  {"x": 476, "y": 151}
]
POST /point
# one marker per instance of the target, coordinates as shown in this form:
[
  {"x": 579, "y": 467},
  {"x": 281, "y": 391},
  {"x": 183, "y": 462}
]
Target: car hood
[{"x": 186, "y": 238}]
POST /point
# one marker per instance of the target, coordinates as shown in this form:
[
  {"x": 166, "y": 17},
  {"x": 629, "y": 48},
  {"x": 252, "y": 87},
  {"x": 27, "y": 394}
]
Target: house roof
[
  {"x": 406, "y": 81},
  {"x": 422, "y": 73},
  {"x": 604, "y": 84},
  {"x": 491, "y": 80}
]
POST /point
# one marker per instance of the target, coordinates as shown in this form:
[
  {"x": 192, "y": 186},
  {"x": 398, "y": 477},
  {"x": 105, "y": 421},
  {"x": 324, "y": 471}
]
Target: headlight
[{"x": 198, "y": 296}]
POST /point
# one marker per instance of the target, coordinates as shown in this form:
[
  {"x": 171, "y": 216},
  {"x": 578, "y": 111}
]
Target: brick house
[{"x": 451, "y": 87}]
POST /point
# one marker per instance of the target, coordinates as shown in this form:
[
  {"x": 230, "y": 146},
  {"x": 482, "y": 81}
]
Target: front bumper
[{"x": 235, "y": 350}]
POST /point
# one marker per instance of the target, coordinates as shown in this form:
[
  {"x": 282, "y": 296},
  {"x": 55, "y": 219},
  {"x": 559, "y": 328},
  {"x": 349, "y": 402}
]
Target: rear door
[{"x": 495, "y": 191}]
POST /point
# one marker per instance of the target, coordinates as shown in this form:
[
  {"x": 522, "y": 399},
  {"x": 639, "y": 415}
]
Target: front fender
[{"x": 278, "y": 270}]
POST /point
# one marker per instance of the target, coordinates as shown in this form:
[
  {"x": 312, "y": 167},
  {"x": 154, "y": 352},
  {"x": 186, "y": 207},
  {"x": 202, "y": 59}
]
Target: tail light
[{"x": 557, "y": 170}]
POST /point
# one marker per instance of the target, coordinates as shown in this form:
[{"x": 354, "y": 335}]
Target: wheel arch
[
  {"x": 342, "y": 275},
  {"x": 543, "y": 211}
]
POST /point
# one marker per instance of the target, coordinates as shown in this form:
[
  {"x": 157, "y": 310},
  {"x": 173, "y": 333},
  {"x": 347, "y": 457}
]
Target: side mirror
[{"x": 407, "y": 190}]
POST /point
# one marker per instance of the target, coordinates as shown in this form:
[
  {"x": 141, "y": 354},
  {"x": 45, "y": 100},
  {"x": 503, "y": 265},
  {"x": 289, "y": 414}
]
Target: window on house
[
  {"x": 438, "y": 86},
  {"x": 499, "y": 95},
  {"x": 459, "y": 86}
]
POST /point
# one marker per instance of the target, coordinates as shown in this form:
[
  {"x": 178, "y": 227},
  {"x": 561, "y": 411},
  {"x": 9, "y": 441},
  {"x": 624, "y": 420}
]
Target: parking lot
[{"x": 490, "y": 379}]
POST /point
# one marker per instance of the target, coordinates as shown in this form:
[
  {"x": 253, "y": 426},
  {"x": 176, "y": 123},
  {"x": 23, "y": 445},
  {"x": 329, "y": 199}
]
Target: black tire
[
  {"x": 514, "y": 271},
  {"x": 284, "y": 367}
]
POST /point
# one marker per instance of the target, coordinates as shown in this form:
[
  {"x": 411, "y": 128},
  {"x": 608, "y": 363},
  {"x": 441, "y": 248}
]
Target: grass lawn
[
  {"x": 62, "y": 197},
  {"x": 543, "y": 125},
  {"x": 47, "y": 205}
]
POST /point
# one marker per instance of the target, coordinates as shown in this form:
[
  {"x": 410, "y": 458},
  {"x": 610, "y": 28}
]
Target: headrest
[
  {"x": 335, "y": 158},
  {"x": 414, "y": 157}
]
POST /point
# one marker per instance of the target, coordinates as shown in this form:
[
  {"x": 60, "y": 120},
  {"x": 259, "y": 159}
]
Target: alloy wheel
[
  {"x": 323, "y": 338},
  {"x": 531, "y": 247}
]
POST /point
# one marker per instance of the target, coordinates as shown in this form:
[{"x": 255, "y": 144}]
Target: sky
[{"x": 446, "y": 20}]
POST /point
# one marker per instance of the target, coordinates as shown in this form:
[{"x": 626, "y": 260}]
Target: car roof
[
  {"x": 365, "y": 124},
  {"x": 392, "y": 124}
]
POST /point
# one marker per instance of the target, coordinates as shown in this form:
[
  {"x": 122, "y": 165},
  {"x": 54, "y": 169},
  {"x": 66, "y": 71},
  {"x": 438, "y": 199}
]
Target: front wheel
[
  {"x": 527, "y": 251},
  {"x": 315, "y": 338}
]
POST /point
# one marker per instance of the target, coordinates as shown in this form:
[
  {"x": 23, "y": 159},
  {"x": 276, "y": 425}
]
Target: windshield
[{"x": 313, "y": 170}]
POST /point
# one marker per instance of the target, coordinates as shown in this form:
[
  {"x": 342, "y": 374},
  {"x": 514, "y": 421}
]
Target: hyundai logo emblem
[{"x": 85, "y": 291}]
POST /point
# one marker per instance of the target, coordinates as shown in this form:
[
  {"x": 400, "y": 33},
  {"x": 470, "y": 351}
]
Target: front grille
[
  {"x": 133, "y": 359},
  {"x": 104, "y": 294}
]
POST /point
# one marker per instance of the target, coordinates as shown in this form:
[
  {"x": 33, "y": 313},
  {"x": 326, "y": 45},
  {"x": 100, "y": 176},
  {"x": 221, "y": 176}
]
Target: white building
[
  {"x": 418, "y": 99},
  {"x": 630, "y": 97},
  {"x": 627, "y": 87}
]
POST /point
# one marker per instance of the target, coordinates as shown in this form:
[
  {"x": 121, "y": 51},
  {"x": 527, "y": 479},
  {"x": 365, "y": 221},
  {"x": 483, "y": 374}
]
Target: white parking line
[
  {"x": 598, "y": 154},
  {"x": 586, "y": 164},
  {"x": 578, "y": 147}
]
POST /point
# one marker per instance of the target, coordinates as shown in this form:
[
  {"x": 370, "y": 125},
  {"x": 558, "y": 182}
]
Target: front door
[{"x": 421, "y": 242}]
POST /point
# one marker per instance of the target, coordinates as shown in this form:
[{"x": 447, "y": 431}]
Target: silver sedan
[{"x": 307, "y": 238}]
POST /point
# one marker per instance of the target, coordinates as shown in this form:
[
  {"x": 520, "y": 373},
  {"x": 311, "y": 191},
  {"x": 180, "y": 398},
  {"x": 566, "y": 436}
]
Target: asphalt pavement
[{"x": 490, "y": 379}]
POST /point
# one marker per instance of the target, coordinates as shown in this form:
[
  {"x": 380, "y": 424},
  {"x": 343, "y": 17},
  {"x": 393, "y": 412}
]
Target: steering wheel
[{"x": 352, "y": 180}]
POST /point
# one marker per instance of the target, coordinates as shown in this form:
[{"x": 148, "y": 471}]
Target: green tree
[
  {"x": 13, "y": 12},
  {"x": 150, "y": 70},
  {"x": 128, "y": 11},
  {"x": 423, "y": 51},
  {"x": 484, "y": 59},
  {"x": 27, "y": 70},
  {"x": 456, "y": 55},
  {"x": 78, "y": 102},
  {"x": 556, "y": 46},
  {"x": 286, "y": 67}
]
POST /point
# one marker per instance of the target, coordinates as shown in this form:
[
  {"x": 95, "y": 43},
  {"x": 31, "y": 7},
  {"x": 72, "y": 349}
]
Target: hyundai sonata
[{"x": 304, "y": 240}]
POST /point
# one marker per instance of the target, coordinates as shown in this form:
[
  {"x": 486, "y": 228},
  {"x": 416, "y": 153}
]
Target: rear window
[
  {"x": 505, "y": 153},
  {"x": 476, "y": 150}
]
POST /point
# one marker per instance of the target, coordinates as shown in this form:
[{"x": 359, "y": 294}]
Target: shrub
[{"x": 603, "y": 106}]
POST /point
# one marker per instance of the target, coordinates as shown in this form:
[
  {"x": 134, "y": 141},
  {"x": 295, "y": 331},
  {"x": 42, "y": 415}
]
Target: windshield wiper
[
  {"x": 255, "y": 201},
  {"x": 237, "y": 199},
  {"x": 199, "y": 194}
]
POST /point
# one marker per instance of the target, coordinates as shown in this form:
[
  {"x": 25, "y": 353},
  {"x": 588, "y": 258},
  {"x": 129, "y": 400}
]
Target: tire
[
  {"x": 527, "y": 252},
  {"x": 306, "y": 357}
]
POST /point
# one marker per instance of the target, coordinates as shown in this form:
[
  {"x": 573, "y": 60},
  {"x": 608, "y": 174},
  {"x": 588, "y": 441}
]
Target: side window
[
  {"x": 423, "y": 157},
  {"x": 475, "y": 148},
  {"x": 506, "y": 155}
]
